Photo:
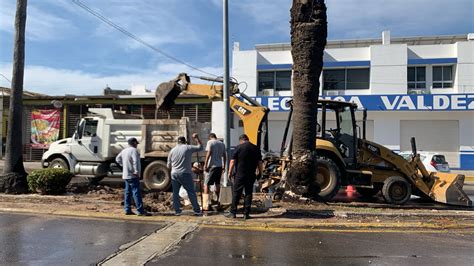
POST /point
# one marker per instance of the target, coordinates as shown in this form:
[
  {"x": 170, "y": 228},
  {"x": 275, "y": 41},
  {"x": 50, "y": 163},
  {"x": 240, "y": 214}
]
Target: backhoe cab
[{"x": 345, "y": 157}]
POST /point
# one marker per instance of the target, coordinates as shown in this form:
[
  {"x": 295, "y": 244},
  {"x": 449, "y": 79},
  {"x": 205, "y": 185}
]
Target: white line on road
[{"x": 151, "y": 246}]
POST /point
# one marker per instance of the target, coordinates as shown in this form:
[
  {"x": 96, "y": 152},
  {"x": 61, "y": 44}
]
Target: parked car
[{"x": 433, "y": 162}]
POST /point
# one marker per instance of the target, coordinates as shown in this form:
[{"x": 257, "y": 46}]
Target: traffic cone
[{"x": 350, "y": 191}]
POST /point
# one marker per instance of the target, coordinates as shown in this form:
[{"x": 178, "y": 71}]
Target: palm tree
[
  {"x": 14, "y": 174},
  {"x": 308, "y": 39}
]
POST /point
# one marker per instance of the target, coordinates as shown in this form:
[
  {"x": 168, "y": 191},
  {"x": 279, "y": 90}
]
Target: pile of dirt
[{"x": 158, "y": 201}]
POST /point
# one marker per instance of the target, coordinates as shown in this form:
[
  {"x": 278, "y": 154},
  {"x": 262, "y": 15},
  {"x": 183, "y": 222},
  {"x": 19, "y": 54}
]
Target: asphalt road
[
  {"x": 212, "y": 246},
  {"x": 52, "y": 240}
]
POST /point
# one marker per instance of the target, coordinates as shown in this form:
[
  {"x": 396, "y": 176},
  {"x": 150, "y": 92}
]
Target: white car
[{"x": 433, "y": 162}]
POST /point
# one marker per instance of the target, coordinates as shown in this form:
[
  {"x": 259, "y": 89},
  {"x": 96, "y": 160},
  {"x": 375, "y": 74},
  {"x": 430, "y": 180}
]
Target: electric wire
[{"x": 136, "y": 38}]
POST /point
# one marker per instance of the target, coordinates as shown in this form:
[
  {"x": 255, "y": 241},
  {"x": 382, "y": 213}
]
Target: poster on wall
[{"x": 44, "y": 127}]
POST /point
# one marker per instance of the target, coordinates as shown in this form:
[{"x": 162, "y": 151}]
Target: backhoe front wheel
[
  {"x": 328, "y": 178},
  {"x": 396, "y": 190}
]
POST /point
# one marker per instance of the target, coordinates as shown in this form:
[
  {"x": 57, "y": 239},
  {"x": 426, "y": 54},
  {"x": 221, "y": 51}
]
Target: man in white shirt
[{"x": 129, "y": 159}]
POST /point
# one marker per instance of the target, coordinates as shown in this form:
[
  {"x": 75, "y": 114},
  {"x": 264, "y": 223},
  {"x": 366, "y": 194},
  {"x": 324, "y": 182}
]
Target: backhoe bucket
[
  {"x": 165, "y": 95},
  {"x": 447, "y": 188}
]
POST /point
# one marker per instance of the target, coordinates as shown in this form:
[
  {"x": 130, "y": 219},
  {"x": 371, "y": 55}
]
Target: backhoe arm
[{"x": 251, "y": 112}]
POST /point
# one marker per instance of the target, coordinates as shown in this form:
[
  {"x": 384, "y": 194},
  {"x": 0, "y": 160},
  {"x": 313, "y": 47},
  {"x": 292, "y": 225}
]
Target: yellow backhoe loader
[{"x": 345, "y": 157}]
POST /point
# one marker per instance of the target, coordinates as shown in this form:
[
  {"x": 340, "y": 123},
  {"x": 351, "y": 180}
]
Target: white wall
[
  {"x": 244, "y": 69},
  {"x": 274, "y": 57},
  {"x": 431, "y": 51},
  {"x": 388, "y": 70},
  {"x": 464, "y": 79},
  {"x": 347, "y": 54}
]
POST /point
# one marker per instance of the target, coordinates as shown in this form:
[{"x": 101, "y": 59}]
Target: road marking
[{"x": 149, "y": 247}]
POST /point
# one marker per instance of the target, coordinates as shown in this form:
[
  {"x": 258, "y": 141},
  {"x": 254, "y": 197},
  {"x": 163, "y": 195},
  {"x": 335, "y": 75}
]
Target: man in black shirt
[{"x": 245, "y": 160}]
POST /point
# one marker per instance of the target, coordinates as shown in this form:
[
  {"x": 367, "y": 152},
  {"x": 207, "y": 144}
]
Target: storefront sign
[
  {"x": 425, "y": 102},
  {"x": 44, "y": 127}
]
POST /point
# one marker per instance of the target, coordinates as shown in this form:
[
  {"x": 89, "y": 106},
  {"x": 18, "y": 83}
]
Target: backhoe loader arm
[{"x": 252, "y": 113}]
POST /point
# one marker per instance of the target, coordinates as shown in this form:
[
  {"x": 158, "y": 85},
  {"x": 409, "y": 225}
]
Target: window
[
  {"x": 416, "y": 77},
  {"x": 442, "y": 76},
  {"x": 275, "y": 80},
  {"x": 90, "y": 128},
  {"x": 346, "y": 79}
]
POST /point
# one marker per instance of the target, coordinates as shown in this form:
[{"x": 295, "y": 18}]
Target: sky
[{"x": 70, "y": 51}]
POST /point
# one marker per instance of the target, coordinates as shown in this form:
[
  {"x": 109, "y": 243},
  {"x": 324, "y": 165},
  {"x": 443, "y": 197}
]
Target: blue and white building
[{"x": 412, "y": 86}]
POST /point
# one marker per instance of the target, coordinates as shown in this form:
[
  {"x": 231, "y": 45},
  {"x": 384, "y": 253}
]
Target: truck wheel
[
  {"x": 157, "y": 176},
  {"x": 328, "y": 178},
  {"x": 396, "y": 190},
  {"x": 58, "y": 163},
  {"x": 368, "y": 192}
]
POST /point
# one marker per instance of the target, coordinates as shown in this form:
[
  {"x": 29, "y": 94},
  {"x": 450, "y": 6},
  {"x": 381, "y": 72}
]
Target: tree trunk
[
  {"x": 308, "y": 39},
  {"x": 14, "y": 174}
]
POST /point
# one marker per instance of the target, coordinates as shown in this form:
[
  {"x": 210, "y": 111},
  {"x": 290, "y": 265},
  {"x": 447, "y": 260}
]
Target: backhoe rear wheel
[
  {"x": 328, "y": 178},
  {"x": 396, "y": 190}
]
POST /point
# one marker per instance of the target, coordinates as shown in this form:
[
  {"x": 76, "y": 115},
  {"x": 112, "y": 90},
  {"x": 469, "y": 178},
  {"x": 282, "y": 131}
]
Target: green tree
[
  {"x": 308, "y": 39},
  {"x": 14, "y": 174}
]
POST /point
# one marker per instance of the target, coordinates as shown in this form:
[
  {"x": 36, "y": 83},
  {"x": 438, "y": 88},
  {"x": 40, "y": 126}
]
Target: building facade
[{"x": 411, "y": 86}]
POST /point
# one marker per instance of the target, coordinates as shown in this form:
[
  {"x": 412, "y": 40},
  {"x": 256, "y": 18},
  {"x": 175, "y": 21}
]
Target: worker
[
  {"x": 246, "y": 158},
  {"x": 214, "y": 166},
  {"x": 180, "y": 163},
  {"x": 129, "y": 160}
]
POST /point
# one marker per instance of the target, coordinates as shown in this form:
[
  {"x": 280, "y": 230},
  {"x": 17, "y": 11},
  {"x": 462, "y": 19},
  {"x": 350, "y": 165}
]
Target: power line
[
  {"x": 5, "y": 78},
  {"x": 136, "y": 38}
]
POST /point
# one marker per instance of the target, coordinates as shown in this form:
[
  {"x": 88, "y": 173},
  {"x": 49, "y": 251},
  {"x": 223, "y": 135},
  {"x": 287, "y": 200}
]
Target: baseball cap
[
  {"x": 181, "y": 140},
  {"x": 132, "y": 141}
]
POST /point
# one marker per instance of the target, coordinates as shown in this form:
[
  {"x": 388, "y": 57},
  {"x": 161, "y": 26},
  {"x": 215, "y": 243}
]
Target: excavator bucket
[
  {"x": 448, "y": 188},
  {"x": 165, "y": 95}
]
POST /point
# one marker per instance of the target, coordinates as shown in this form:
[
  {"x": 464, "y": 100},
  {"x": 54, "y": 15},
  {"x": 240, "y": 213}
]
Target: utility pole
[
  {"x": 226, "y": 80},
  {"x": 14, "y": 174}
]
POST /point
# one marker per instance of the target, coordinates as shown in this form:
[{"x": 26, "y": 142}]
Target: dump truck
[
  {"x": 101, "y": 135},
  {"x": 345, "y": 156}
]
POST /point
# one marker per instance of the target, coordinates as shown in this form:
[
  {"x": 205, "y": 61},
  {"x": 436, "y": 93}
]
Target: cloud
[
  {"x": 157, "y": 22},
  {"x": 367, "y": 18},
  {"x": 41, "y": 24},
  {"x": 275, "y": 13},
  {"x": 54, "y": 81}
]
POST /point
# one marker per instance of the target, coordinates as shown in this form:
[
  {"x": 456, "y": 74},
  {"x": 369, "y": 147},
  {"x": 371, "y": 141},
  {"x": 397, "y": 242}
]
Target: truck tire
[
  {"x": 157, "y": 176},
  {"x": 59, "y": 163},
  {"x": 369, "y": 192},
  {"x": 396, "y": 190},
  {"x": 328, "y": 178}
]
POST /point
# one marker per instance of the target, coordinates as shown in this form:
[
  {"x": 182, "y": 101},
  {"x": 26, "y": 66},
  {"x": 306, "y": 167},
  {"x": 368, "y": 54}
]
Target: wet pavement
[
  {"x": 216, "y": 246},
  {"x": 53, "y": 240}
]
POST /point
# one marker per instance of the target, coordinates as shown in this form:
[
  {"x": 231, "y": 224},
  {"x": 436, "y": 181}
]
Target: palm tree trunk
[
  {"x": 308, "y": 39},
  {"x": 14, "y": 174}
]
